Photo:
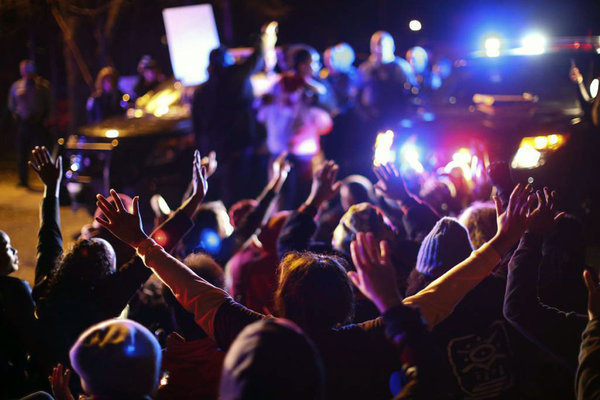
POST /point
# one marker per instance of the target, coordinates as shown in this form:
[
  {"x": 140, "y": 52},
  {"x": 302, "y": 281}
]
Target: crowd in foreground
[{"x": 363, "y": 292}]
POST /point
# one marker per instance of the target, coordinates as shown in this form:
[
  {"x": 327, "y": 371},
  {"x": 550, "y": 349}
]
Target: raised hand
[
  {"x": 59, "y": 381},
  {"x": 281, "y": 168},
  {"x": 593, "y": 295},
  {"x": 210, "y": 163},
  {"x": 574, "y": 74},
  {"x": 375, "y": 276},
  {"x": 390, "y": 183},
  {"x": 544, "y": 216},
  {"x": 324, "y": 185},
  {"x": 124, "y": 225},
  {"x": 48, "y": 170},
  {"x": 269, "y": 34},
  {"x": 513, "y": 221},
  {"x": 199, "y": 177}
]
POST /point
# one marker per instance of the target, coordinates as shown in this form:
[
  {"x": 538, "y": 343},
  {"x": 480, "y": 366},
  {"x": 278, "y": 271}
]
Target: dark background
[{"x": 28, "y": 29}]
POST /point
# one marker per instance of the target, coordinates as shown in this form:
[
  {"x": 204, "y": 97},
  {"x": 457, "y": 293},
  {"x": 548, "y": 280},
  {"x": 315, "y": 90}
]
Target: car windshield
[{"x": 545, "y": 76}]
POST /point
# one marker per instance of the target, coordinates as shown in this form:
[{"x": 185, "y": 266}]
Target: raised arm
[
  {"x": 266, "y": 43},
  {"x": 557, "y": 332},
  {"x": 115, "y": 291},
  {"x": 419, "y": 218},
  {"x": 255, "y": 218},
  {"x": 49, "y": 247},
  {"x": 300, "y": 226},
  {"x": 439, "y": 298}
]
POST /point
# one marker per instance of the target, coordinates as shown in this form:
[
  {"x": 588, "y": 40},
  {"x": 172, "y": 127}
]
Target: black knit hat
[{"x": 444, "y": 247}]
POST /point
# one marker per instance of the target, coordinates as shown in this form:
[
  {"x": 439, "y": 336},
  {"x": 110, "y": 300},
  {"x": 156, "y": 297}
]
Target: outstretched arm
[
  {"x": 555, "y": 331},
  {"x": 115, "y": 291},
  {"x": 260, "y": 214},
  {"x": 49, "y": 247},
  {"x": 300, "y": 226},
  {"x": 439, "y": 298},
  {"x": 194, "y": 293}
]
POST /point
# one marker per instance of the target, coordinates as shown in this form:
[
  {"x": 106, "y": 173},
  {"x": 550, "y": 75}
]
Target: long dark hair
[{"x": 314, "y": 291}]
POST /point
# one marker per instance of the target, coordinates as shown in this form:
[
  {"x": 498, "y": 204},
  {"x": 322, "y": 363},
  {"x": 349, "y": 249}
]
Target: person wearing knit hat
[
  {"x": 272, "y": 359},
  {"x": 444, "y": 247},
  {"x": 117, "y": 359}
]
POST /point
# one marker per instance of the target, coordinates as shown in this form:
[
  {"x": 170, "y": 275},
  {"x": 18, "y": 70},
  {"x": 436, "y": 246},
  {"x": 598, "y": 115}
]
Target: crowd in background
[{"x": 318, "y": 288}]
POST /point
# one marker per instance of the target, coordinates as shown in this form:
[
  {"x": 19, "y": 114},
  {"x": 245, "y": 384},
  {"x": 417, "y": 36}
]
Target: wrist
[
  {"x": 313, "y": 202},
  {"x": 501, "y": 244},
  {"x": 52, "y": 190},
  {"x": 140, "y": 242},
  {"x": 387, "y": 303}
]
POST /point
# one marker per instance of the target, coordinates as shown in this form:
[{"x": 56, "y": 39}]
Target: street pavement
[{"x": 19, "y": 218}]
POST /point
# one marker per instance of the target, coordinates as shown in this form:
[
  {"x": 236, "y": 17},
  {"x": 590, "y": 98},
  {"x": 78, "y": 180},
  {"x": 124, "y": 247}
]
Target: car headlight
[{"x": 533, "y": 150}]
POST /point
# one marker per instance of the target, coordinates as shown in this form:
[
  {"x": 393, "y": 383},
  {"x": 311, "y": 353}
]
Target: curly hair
[
  {"x": 314, "y": 291},
  {"x": 480, "y": 221},
  {"x": 81, "y": 268}
]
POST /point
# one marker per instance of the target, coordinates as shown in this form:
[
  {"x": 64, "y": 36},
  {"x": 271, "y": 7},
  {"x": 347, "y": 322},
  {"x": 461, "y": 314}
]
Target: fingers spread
[
  {"x": 106, "y": 206},
  {"x": 33, "y": 166},
  {"x": 118, "y": 203}
]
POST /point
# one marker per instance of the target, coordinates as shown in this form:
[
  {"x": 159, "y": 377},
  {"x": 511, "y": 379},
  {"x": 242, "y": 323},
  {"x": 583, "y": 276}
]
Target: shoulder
[{"x": 14, "y": 286}]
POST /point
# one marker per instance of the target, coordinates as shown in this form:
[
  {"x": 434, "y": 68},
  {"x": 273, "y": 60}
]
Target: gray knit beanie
[{"x": 444, "y": 247}]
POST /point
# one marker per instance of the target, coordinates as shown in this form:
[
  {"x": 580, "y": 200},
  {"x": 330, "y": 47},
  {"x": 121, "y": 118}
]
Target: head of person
[
  {"x": 208, "y": 269},
  {"x": 314, "y": 291},
  {"x": 362, "y": 217},
  {"x": 83, "y": 266},
  {"x": 211, "y": 225},
  {"x": 107, "y": 80},
  {"x": 307, "y": 61},
  {"x": 382, "y": 47},
  {"x": 418, "y": 59},
  {"x": 239, "y": 210},
  {"x": 269, "y": 233},
  {"x": 117, "y": 359},
  {"x": 219, "y": 59},
  {"x": 444, "y": 247},
  {"x": 148, "y": 68},
  {"x": 339, "y": 58},
  {"x": 9, "y": 262},
  {"x": 272, "y": 359},
  {"x": 355, "y": 189},
  {"x": 27, "y": 69},
  {"x": 480, "y": 221}
]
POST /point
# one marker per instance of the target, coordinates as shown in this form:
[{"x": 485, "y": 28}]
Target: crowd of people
[
  {"x": 362, "y": 292},
  {"x": 319, "y": 288}
]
